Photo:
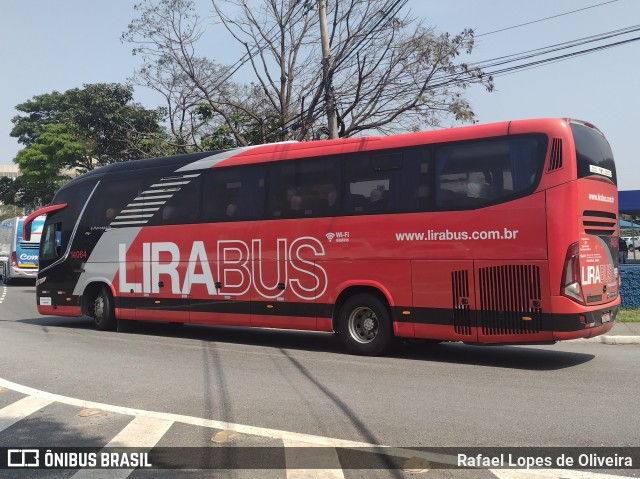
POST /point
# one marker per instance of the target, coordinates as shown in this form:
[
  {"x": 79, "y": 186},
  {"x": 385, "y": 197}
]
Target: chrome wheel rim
[
  {"x": 363, "y": 325},
  {"x": 99, "y": 308}
]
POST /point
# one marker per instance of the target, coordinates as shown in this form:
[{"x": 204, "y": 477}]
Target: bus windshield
[{"x": 593, "y": 152}]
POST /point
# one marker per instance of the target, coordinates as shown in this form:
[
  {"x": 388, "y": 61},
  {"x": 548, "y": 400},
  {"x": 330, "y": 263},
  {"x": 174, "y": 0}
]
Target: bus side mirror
[{"x": 26, "y": 226}]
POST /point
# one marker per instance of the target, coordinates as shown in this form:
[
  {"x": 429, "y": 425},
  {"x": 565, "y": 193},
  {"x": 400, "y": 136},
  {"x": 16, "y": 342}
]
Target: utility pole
[{"x": 326, "y": 74}]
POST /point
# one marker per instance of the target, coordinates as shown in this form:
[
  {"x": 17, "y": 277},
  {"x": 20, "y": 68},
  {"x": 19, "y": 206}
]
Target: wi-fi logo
[{"x": 330, "y": 236}]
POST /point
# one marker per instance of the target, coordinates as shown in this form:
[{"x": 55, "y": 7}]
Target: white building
[{"x": 9, "y": 170}]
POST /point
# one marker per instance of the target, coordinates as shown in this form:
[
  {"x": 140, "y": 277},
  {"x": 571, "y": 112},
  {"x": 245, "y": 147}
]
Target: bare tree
[
  {"x": 281, "y": 45},
  {"x": 186, "y": 125},
  {"x": 201, "y": 101},
  {"x": 387, "y": 71}
]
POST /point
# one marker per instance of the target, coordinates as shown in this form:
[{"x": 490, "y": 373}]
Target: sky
[{"x": 47, "y": 46}]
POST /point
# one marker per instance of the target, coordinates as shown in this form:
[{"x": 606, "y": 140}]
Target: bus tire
[
  {"x": 104, "y": 315},
  {"x": 5, "y": 275},
  {"x": 364, "y": 325}
]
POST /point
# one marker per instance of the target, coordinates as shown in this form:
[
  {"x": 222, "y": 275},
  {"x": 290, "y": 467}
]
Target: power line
[
  {"x": 566, "y": 56},
  {"x": 554, "y": 48},
  {"x": 546, "y": 18},
  {"x": 446, "y": 80}
]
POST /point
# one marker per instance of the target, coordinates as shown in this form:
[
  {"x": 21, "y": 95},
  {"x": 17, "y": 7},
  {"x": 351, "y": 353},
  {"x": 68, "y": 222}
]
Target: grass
[{"x": 629, "y": 315}]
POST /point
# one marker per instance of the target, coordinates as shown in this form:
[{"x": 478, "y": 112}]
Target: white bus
[{"x": 19, "y": 258}]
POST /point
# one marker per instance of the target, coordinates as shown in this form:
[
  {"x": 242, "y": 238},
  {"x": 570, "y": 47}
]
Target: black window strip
[
  {"x": 600, "y": 214},
  {"x": 599, "y": 223}
]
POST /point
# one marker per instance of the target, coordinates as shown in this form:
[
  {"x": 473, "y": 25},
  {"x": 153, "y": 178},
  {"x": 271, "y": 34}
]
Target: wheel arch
[
  {"x": 90, "y": 293},
  {"x": 374, "y": 289}
]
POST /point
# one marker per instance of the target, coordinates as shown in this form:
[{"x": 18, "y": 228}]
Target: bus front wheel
[
  {"x": 103, "y": 311},
  {"x": 365, "y": 325}
]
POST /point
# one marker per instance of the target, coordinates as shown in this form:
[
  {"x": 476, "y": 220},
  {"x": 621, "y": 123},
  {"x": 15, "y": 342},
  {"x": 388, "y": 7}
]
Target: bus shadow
[
  {"x": 271, "y": 338},
  {"x": 22, "y": 282},
  {"x": 47, "y": 323},
  {"x": 539, "y": 358}
]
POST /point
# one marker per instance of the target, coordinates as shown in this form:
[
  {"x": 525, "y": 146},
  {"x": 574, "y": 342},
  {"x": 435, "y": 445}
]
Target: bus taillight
[
  {"x": 571, "y": 285},
  {"x": 14, "y": 259}
]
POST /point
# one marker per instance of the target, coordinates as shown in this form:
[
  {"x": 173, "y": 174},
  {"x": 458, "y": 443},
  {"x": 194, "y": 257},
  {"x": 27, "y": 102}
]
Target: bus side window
[
  {"x": 373, "y": 183},
  {"x": 285, "y": 196},
  {"x": 183, "y": 206},
  {"x": 233, "y": 194},
  {"x": 304, "y": 188},
  {"x": 321, "y": 180},
  {"x": 52, "y": 243},
  {"x": 525, "y": 161},
  {"x": 111, "y": 198},
  {"x": 464, "y": 177},
  {"x": 483, "y": 172}
]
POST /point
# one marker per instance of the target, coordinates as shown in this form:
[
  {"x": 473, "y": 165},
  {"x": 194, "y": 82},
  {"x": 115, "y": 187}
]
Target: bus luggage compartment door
[
  {"x": 444, "y": 299},
  {"x": 163, "y": 301},
  {"x": 511, "y": 298}
]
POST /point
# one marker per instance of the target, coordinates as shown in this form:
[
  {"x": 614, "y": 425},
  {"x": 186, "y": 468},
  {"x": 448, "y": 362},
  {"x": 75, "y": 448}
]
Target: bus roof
[{"x": 293, "y": 149}]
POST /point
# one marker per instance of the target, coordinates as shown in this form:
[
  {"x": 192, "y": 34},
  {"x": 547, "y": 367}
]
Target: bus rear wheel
[
  {"x": 103, "y": 311},
  {"x": 365, "y": 325}
]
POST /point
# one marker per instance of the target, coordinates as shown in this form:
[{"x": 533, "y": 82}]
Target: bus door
[
  {"x": 60, "y": 226},
  {"x": 444, "y": 298}
]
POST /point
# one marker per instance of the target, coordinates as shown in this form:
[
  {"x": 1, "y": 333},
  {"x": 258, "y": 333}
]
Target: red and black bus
[{"x": 496, "y": 233}]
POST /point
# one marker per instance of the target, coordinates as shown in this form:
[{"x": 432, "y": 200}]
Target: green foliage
[
  {"x": 55, "y": 148},
  {"x": 7, "y": 191},
  {"x": 68, "y": 133},
  {"x": 28, "y": 192},
  {"x": 629, "y": 315},
  {"x": 40, "y": 111},
  {"x": 99, "y": 124}
]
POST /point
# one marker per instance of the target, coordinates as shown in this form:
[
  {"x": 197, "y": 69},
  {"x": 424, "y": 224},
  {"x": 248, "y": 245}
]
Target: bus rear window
[{"x": 593, "y": 153}]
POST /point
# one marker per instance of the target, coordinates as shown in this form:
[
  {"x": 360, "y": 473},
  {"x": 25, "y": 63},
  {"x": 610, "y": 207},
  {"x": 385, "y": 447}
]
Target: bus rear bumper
[
  {"x": 588, "y": 332},
  {"x": 587, "y": 324},
  {"x": 28, "y": 273},
  {"x": 502, "y": 328}
]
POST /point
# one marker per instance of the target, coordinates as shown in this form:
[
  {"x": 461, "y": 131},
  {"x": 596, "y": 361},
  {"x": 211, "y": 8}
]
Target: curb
[{"x": 608, "y": 340}]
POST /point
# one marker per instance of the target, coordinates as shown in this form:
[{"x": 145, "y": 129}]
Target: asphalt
[
  {"x": 625, "y": 329},
  {"x": 621, "y": 333}
]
